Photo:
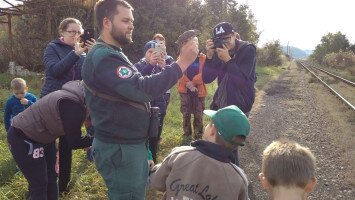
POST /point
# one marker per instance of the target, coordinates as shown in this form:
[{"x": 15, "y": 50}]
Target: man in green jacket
[{"x": 117, "y": 96}]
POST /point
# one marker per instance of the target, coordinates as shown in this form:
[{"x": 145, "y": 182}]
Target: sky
[
  {"x": 5, "y": 5},
  {"x": 299, "y": 23},
  {"x": 302, "y": 23}
]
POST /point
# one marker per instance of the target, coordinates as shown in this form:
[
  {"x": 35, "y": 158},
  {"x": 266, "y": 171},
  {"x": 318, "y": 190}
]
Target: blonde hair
[
  {"x": 287, "y": 163},
  {"x": 18, "y": 84},
  {"x": 158, "y": 36},
  {"x": 63, "y": 26}
]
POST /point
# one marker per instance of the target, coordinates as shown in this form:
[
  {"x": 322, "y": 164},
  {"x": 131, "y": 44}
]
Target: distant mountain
[
  {"x": 296, "y": 52},
  {"x": 309, "y": 52}
]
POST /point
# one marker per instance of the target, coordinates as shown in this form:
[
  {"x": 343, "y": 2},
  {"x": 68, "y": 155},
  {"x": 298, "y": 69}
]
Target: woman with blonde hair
[{"x": 63, "y": 59}]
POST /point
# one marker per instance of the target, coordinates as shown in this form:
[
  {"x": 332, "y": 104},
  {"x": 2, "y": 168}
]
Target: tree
[
  {"x": 330, "y": 43},
  {"x": 352, "y": 48},
  {"x": 239, "y": 15},
  {"x": 243, "y": 20},
  {"x": 169, "y": 17},
  {"x": 270, "y": 54}
]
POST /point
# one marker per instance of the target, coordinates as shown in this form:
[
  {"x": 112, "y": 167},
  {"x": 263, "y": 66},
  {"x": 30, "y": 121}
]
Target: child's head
[
  {"x": 19, "y": 87},
  {"x": 229, "y": 127},
  {"x": 289, "y": 165}
]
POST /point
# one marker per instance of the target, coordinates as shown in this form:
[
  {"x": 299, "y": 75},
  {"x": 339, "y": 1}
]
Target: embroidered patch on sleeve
[{"x": 124, "y": 72}]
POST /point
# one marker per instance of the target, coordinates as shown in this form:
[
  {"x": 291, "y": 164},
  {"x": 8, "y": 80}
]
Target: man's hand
[
  {"x": 188, "y": 53},
  {"x": 24, "y": 101},
  {"x": 223, "y": 54},
  {"x": 209, "y": 48}
]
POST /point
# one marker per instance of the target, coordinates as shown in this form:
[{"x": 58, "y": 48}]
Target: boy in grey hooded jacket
[{"x": 205, "y": 170}]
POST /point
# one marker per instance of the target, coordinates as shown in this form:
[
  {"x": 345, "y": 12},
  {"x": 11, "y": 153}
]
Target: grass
[
  {"x": 86, "y": 183},
  {"x": 266, "y": 74}
]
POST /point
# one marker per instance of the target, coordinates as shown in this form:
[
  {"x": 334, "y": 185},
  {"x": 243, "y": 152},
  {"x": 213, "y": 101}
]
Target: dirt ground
[{"x": 299, "y": 108}]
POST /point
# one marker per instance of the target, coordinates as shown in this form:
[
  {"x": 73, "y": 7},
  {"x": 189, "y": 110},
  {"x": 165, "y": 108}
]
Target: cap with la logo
[{"x": 222, "y": 29}]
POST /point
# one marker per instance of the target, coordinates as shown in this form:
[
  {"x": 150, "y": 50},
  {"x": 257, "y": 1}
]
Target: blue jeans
[
  {"x": 37, "y": 163},
  {"x": 124, "y": 168}
]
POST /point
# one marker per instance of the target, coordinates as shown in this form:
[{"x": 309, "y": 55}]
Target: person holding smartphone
[
  {"x": 63, "y": 59},
  {"x": 158, "y": 37},
  {"x": 64, "y": 56},
  {"x": 154, "y": 62}
]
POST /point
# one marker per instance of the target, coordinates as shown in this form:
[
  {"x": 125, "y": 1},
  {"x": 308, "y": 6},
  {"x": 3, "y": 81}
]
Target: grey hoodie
[{"x": 195, "y": 172}]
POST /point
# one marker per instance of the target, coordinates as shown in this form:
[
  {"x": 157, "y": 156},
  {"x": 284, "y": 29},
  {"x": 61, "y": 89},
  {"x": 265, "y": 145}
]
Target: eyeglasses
[{"x": 72, "y": 33}]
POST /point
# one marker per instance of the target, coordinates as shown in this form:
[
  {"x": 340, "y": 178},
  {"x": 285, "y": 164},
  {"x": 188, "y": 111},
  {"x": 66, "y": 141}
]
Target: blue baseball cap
[{"x": 149, "y": 45}]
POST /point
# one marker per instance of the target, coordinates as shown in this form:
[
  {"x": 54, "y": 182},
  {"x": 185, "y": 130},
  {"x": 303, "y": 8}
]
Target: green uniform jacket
[{"x": 107, "y": 70}]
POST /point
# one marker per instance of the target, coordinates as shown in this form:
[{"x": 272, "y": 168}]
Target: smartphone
[
  {"x": 87, "y": 35},
  {"x": 160, "y": 48}
]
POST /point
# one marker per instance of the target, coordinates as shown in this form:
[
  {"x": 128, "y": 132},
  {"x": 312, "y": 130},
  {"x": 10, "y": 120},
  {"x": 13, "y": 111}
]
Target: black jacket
[{"x": 239, "y": 87}]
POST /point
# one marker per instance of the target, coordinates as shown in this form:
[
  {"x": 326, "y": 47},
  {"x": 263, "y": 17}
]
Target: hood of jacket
[{"x": 75, "y": 87}]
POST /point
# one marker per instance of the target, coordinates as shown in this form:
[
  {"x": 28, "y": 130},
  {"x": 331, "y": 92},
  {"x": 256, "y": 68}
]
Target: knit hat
[
  {"x": 184, "y": 37},
  {"x": 222, "y": 29},
  {"x": 230, "y": 121},
  {"x": 148, "y": 45}
]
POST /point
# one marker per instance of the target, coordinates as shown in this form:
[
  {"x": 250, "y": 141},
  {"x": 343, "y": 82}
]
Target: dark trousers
[
  {"x": 192, "y": 104},
  {"x": 37, "y": 163},
  {"x": 65, "y": 160},
  {"x": 154, "y": 142}
]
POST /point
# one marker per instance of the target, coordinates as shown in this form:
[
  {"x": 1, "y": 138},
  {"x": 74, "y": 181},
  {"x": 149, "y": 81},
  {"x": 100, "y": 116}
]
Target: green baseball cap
[{"x": 230, "y": 121}]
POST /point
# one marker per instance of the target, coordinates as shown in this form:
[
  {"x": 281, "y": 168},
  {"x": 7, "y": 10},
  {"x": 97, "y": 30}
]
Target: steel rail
[
  {"x": 330, "y": 88},
  {"x": 335, "y": 76}
]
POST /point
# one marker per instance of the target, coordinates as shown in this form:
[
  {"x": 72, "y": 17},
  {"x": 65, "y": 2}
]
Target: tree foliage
[
  {"x": 270, "y": 54},
  {"x": 330, "y": 43},
  {"x": 32, "y": 32},
  {"x": 335, "y": 51}
]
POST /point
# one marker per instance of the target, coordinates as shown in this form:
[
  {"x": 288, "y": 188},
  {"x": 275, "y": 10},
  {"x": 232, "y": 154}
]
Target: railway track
[{"x": 339, "y": 86}]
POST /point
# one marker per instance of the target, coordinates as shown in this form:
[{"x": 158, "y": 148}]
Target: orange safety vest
[{"x": 197, "y": 80}]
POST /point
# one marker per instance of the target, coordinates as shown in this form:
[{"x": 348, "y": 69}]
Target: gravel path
[{"x": 302, "y": 110}]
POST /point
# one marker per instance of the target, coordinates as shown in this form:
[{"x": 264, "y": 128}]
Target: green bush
[
  {"x": 340, "y": 60},
  {"x": 270, "y": 54}
]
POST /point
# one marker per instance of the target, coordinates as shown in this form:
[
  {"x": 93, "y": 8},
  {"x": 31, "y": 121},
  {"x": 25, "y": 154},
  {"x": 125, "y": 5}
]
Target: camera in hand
[{"x": 217, "y": 42}]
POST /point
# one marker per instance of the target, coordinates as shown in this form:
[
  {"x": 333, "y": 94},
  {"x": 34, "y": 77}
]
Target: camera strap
[{"x": 142, "y": 106}]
